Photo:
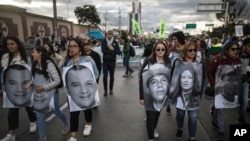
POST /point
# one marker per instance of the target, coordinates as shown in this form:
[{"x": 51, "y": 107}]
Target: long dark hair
[
  {"x": 44, "y": 58},
  {"x": 21, "y": 49},
  {"x": 152, "y": 57},
  {"x": 51, "y": 49},
  {"x": 80, "y": 45}
]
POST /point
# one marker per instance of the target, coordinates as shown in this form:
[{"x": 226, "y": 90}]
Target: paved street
[{"x": 120, "y": 117}]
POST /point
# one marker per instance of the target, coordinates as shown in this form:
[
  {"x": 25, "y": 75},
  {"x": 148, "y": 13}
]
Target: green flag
[
  {"x": 162, "y": 29},
  {"x": 136, "y": 27}
]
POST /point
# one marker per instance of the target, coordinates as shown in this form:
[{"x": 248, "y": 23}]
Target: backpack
[{"x": 131, "y": 51}]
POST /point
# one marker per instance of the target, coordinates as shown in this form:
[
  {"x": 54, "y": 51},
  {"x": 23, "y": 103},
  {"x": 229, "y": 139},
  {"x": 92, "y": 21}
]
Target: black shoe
[
  {"x": 131, "y": 73},
  {"x": 110, "y": 92},
  {"x": 179, "y": 134},
  {"x": 105, "y": 93}
]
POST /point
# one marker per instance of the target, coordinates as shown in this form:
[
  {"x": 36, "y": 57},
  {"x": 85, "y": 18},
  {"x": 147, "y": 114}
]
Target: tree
[{"x": 87, "y": 15}]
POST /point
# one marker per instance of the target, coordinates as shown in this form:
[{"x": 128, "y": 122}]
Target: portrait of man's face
[
  {"x": 16, "y": 78},
  {"x": 187, "y": 80},
  {"x": 41, "y": 100},
  {"x": 230, "y": 88},
  {"x": 81, "y": 88},
  {"x": 158, "y": 86}
]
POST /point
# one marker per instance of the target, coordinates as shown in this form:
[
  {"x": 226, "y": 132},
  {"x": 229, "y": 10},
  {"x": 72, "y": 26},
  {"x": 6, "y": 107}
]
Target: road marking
[{"x": 50, "y": 117}]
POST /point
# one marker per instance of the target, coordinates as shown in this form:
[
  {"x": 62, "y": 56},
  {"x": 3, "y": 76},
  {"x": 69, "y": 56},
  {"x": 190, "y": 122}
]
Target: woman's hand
[
  {"x": 26, "y": 86},
  {"x": 39, "y": 89},
  {"x": 142, "y": 102}
]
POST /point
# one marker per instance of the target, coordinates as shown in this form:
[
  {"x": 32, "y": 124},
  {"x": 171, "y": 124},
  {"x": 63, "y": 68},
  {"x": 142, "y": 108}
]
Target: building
[
  {"x": 18, "y": 22},
  {"x": 135, "y": 14}
]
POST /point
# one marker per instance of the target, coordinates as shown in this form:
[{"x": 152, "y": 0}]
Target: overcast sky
[{"x": 176, "y": 13}]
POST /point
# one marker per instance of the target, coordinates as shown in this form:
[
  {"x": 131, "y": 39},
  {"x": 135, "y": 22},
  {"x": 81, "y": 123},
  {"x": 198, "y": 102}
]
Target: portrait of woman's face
[
  {"x": 158, "y": 86},
  {"x": 15, "y": 80},
  {"x": 41, "y": 100},
  {"x": 82, "y": 88},
  {"x": 187, "y": 80}
]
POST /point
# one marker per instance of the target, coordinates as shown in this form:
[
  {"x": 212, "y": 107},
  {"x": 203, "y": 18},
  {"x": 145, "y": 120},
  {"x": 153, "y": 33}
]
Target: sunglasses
[
  {"x": 190, "y": 50},
  {"x": 160, "y": 49},
  {"x": 234, "y": 49}
]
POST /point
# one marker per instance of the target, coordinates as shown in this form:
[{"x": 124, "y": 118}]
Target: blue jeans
[
  {"x": 58, "y": 111},
  {"x": 243, "y": 101},
  {"x": 126, "y": 64},
  {"x": 41, "y": 117},
  {"x": 192, "y": 120}
]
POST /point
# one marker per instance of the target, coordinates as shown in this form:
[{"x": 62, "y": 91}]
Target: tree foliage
[{"x": 87, "y": 14}]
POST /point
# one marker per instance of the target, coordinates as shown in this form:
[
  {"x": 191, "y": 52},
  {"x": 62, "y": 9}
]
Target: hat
[
  {"x": 156, "y": 69},
  {"x": 110, "y": 32}
]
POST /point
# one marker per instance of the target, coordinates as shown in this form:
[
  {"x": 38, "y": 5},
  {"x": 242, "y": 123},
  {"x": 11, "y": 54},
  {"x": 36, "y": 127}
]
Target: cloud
[{"x": 176, "y": 13}]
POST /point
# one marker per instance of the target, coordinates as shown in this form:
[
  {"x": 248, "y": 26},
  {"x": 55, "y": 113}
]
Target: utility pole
[
  {"x": 68, "y": 8},
  {"x": 119, "y": 21},
  {"x": 106, "y": 20},
  {"x": 55, "y": 19}
]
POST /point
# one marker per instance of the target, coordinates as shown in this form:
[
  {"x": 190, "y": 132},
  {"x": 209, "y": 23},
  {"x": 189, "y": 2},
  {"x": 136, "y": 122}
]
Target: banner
[
  {"x": 162, "y": 28},
  {"x": 136, "y": 27},
  {"x": 239, "y": 31}
]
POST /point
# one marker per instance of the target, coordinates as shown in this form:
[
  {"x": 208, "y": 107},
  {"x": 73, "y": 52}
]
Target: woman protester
[
  {"x": 47, "y": 78},
  {"x": 186, "y": 89},
  {"x": 154, "y": 80},
  {"x": 58, "y": 60},
  {"x": 224, "y": 74},
  {"x": 17, "y": 55},
  {"x": 75, "y": 56}
]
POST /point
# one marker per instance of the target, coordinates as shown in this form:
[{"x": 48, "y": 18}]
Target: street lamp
[{"x": 68, "y": 9}]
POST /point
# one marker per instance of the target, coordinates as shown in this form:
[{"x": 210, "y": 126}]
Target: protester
[
  {"x": 16, "y": 55},
  {"x": 186, "y": 89},
  {"x": 158, "y": 60},
  {"x": 58, "y": 60},
  {"x": 110, "y": 48},
  {"x": 226, "y": 65},
  {"x": 77, "y": 55},
  {"x": 126, "y": 56},
  {"x": 179, "y": 42}
]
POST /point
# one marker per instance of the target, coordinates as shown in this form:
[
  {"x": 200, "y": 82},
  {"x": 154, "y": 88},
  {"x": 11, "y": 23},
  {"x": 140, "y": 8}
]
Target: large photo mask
[
  {"x": 44, "y": 100},
  {"x": 14, "y": 79},
  {"x": 156, "y": 84},
  {"x": 81, "y": 87}
]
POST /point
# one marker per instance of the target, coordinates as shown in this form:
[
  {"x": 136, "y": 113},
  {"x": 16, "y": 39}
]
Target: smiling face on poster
[
  {"x": 43, "y": 100},
  {"x": 156, "y": 83},
  {"x": 81, "y": 87},
  {"x": 15, "y": 77}
]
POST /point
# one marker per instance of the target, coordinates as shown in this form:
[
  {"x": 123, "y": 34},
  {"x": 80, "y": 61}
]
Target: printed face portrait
[
  {"x": 158, "y": 86},
  {"x": 187, "y": 80},
  {"x": 81, "y": 86},
  {"x": 230, "y": 88},
  {"x": 41, "y": 100},
  {"x": 15, "y": 78}
]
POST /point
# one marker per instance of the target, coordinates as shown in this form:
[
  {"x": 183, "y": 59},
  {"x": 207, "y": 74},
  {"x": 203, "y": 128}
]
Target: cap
[{"x": 110, "y": 32}]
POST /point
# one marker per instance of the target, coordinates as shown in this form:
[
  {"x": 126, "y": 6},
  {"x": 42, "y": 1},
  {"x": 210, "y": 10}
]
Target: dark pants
[
  {"x": 13, "y": 117},
  {"x": 126, "y": 64},
  {"x": 108, "y": 67},
  {"x": 74, "y": 119},
  {"x": 152, "y": 120}
]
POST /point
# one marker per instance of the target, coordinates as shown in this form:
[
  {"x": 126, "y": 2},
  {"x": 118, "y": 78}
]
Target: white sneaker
[
  {"x": 156, "y": 134},
  {"x": 9, "y": 137},
  {"x": 32, "y": 127},
  {"x": 65, "y": 129},
  {"x": 72, "y": 139},
  {"x": 87, "y": 130}
]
